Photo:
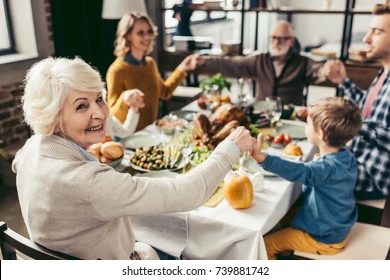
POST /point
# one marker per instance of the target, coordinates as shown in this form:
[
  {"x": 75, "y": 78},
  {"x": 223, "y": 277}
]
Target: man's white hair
[{"x": 286, "y": 25}]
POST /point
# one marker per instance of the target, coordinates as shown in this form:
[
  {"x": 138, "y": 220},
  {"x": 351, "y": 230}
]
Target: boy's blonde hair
[
  {"x": 125, "y": 26},
  {"x": 340, "y": 119}
]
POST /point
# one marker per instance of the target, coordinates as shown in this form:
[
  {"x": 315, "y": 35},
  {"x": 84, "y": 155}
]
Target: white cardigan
[{"x": 84, "y": 208}]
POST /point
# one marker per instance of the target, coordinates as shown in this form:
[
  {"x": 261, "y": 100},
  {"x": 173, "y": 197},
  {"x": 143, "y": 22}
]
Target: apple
[
  {"x": 269, "y": 138},
  {"x": 287, "y": 139},
  {"x": 279, "y": 139},
  {"x": 202, "y": 103},
  {"x": 302, "y": 114}
]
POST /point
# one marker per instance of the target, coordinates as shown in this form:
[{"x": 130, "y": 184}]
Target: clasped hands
[
  {"x": 134, "y": 98},
  {"x": 246, "y": 143}
]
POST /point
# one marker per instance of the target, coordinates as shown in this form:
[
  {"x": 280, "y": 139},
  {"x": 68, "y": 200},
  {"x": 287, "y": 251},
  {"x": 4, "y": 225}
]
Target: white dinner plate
[
  {"x": 141, "y": 140},
  {"x": 295, "y": 131},
  {"x": 159, "y": 174},
  {"x": 280, "y": 153},
  {"x": 181, "y": 164}
]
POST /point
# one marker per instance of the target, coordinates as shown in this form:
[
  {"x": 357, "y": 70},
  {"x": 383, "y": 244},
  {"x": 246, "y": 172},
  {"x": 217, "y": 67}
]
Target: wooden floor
[{"x": 10, "y": 210}]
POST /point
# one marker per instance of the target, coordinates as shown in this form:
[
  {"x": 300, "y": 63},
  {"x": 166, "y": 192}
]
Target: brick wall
[{"x": 12, "y": 127}]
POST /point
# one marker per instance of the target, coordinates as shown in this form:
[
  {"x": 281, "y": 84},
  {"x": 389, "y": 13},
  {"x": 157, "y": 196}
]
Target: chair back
[
  {"x": 385, "y": 218},
  {"x": 12, "y": 242}
]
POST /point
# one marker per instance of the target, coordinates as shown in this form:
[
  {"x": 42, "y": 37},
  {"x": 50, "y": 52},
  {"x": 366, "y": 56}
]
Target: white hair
[
  {"x": 48, "y": 83},
  {"x": 284, "y": 24}
]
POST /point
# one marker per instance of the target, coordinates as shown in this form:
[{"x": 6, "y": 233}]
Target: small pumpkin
[{"x": 239, "y": 192}]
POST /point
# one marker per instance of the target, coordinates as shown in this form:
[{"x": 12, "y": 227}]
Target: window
[
  {"x": 30, "y": 41},
  {"x": 6, "y": 36}
]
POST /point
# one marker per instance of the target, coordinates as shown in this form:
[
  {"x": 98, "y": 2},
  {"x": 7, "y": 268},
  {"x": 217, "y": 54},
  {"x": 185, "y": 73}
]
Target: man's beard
[{"x": 278, "y": 52}]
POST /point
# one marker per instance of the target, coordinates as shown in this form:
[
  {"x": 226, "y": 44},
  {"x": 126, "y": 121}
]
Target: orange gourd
[{"x": 239, "y": 192}]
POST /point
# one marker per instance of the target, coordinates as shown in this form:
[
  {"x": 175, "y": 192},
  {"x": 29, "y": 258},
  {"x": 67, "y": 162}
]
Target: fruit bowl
[{"x": 279, "y": 141}]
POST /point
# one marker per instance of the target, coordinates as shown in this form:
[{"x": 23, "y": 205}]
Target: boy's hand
[
  {"x": 256, "y": 149},
  {"x": 134, "y": 98}
]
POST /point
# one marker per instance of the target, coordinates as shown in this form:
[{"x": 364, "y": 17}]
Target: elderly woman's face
[{"x": 84, "y": 118}]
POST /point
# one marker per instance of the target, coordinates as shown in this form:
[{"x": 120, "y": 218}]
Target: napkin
[{"x": 216, "y": 197}]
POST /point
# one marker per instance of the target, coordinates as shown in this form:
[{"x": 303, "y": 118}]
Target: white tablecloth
[{"x": 156, "y": 230}]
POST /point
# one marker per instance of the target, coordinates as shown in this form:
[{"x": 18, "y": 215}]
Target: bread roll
[
  {"x": 95, "y": 148},
  {"x": 293, "y": 150},
  {"x": 95, "y": 153},
  {"x": 107, "y": 138},
  {"x": 103, "y": 159},
  {"x": 112, "y": 150}
]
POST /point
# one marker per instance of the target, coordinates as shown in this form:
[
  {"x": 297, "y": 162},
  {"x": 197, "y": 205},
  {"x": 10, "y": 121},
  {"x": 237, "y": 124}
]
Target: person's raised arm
[
  {"x": 189, "y": 63},
  {"x": 334, "y": 71}
]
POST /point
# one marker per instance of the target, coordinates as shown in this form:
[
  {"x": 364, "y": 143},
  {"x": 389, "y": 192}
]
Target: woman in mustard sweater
[{"x": 134, "y": 69}]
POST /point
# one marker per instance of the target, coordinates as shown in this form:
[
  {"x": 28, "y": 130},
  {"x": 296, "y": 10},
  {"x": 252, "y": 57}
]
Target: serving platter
[
  {"x": 181, "y": 164},
  {"x": 185, "y": 114}
]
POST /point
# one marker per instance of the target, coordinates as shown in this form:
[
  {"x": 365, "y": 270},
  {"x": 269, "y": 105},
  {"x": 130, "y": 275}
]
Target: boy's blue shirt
[{"x": 329, "y": 208}]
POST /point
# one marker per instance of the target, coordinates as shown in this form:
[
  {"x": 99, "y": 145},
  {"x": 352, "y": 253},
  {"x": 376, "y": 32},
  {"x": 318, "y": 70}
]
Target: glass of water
[{"x": 274, "y": 105}]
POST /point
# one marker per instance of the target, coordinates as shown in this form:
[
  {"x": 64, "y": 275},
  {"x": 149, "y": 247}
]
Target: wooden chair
[
  {"x": 366, "y": 241},
  {"x": 370, "y": 211},
  {"x": 14, "y": 246}
]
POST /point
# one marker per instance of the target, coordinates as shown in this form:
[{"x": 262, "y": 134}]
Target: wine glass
[
  {"x": 183, "y": 138},
  {"x": 274, "y": 105},
  {"x": 245, "y": 96}
]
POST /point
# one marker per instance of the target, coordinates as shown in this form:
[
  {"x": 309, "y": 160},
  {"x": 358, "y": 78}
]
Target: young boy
[{"x": 328, "y": 210}]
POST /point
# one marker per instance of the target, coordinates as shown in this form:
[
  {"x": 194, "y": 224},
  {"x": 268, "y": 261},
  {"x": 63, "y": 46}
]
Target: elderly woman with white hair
[{"x": 72, "y": 203}]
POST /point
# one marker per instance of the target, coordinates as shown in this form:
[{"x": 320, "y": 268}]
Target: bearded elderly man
[{"x": 278, "y": 72}]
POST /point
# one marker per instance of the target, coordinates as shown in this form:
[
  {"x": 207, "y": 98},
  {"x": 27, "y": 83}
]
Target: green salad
[{"x": 199, "y": 154}]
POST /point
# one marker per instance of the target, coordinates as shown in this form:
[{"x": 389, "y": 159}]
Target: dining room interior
[{"x": 199, "y": 115}]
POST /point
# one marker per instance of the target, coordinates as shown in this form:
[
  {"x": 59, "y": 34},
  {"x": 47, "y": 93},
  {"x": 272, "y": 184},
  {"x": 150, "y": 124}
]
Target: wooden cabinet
[{"x": 362, "y": 74}]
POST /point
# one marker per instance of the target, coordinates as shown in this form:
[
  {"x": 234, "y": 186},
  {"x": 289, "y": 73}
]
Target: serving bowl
[
  {"x": 115, "y": 162},
  {"x": 168, "y": 124}
]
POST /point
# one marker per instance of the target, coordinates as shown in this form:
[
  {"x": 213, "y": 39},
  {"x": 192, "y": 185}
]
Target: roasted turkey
[{"x": 211, "y": 131}]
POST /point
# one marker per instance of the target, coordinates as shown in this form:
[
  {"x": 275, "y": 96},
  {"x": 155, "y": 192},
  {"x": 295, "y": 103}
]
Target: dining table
[{"x": 219, "y": 232}]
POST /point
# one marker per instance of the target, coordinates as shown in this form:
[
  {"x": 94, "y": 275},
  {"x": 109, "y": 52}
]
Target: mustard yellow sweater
[{"x": 122, "y": 76}]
